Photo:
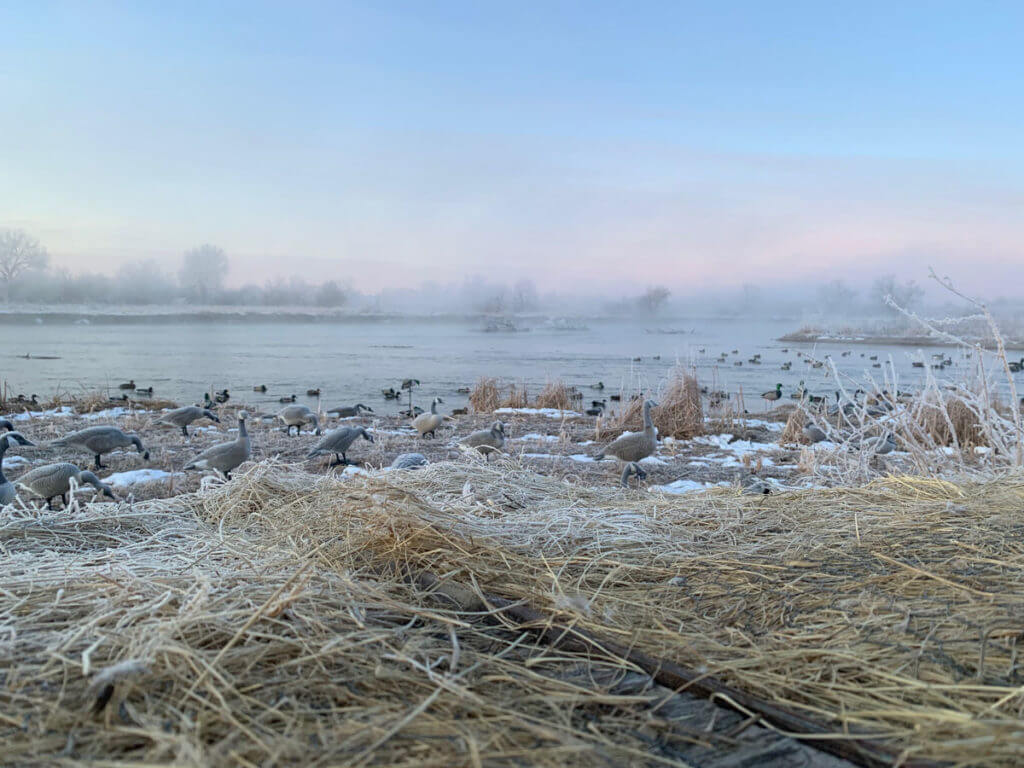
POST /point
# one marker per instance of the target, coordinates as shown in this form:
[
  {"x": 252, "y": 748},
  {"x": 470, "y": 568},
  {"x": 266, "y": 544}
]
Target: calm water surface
[{"x": 353, "y": 361}]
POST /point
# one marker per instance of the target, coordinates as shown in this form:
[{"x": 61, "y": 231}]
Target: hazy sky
[{"x": 586, "y": 144}]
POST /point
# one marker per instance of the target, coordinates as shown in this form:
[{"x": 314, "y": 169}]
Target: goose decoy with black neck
[
  {"x": 7, "y": 489},
  {"x": 348, "y": 411},
  {"x": 144, "y": 391},
  {"x": 634, "y": 446},
  {"x": 632, "y": 469},
  {"x": 226, "y": 457},
  {"x": 53, "y": 480},
  {"x": 338, "y": 442},
  {"x": 100, "y": 440},
  {"x": 598, "y": 386},
  {"x": 182, "y": 417},
  {"x": 427, "y": 423},
  {"x": 487, "y": 441},
  {"x": 296, "y": 416}
]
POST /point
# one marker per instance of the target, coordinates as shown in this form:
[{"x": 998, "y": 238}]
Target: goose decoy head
[
  {"x": 361, "y": 407},
  {"x": 366, "y": 435},
  {"x": 16, "y": 437},
  {"x": 88, "y": 478},
  {"x": 139, "y": 447},
  {"x": 6, "y": 425}
]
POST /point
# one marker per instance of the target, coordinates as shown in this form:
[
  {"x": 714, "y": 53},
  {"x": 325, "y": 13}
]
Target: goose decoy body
[
  {"x": 348, "y": 411},
  {"x": 8, "y": 491},
  {"x": 338, "y": 442},
  {"x": 53, "y": 480},
  {"x": 427, "y": 423},
  {"x": 487, "y": 441},
  {"x": 409, "y": 461},
  {"x": 127, "y": 385},
  {"x": 101, "y": 439},
  {"x": 296, "y": 416},
  {"x": 182, "y": 417},
  {"x": 226, "y": 457},
  {"x": 880, "y": 445},
  {"x": 1014, "y": 367},
  {"x": 634, "y": 446},
  {"x": 144, "y": 391},
  {"x": 813, "y": 433}
]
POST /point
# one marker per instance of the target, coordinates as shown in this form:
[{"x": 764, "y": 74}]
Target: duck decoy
[
  {"x": 286, "y": 399},
  {"x": 313, "y": 392},
  {"x": 127, "y": 385},
  {"x": 772, "y": 395},
  {"x": 598, "y": 386},
  {"x": 260, "y": 388},
  {"x": 222, "y": 397},
  {"x": 390, "y": 394},
  {"x": 462, "y": 391},
  {"x": 615, "y": 398},
  {"x": 143, "y": 391}
]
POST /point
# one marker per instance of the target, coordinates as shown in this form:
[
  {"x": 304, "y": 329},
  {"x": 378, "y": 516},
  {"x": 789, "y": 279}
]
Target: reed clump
[
  {"x": 679, "y": 413},
  {"x": 557, "y": 395},
  {"x": 793, "y": 432},
  {"x": 485, "y": 396},
  {"x": 517, "y": 397}
]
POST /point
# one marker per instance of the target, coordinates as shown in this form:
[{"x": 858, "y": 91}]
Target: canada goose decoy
[
  {"x": 313, "y": 392},
  {"x": 409, "y": 461},
  {"x": 427, "y": 423},
  {"x": 1014, "y": 367},
  {"x": 632, "y": 469},
  {"x": 411, "y": 412},
  {"x": 7, "y": 489},
  {"x": 226, "y": 457},
  {"x": 813, "y": 433},
  {"x": 182, "y": 417},
  {"x": 880, "y": 445},
  {"x": 599, "y": 385},
  {"x": 100, "y": 440},
  {"x": 296, "y": 416},
  {"x": 487, "y": 441},
  {"x": 53, "y": 480},
  {"x": 286, "y": 399},
  {"x": 598, "y": 403},
  {"x": 127, "y": 385},
  {"x": 260, "y": 388},
  {"x": 141, "y": 391},
  {"x": 338, "y": 442},
  {"x": 222, "y": 397},
  {"x": 118, "y": 399},
  {"x": 348, "y": 411},
  {"x": 772, "y": 395},
  {"x": 390, "y": 394},
  {"x": 634, "y": 446}
]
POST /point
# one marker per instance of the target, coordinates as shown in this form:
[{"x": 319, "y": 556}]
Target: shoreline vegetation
[{"x": 893, "y": 338}]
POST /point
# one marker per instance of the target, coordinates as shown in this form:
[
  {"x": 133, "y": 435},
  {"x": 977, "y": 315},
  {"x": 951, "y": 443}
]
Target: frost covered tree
[
  {"x": 653, "y": 299},
  {"x": 202, "y": 273},
  {"x": 906, "y": 294},
  {"x": 18, "y": 253}
]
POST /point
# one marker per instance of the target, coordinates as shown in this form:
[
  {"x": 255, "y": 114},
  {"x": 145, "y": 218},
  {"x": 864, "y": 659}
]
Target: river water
[{"x": 352, "y": 361}]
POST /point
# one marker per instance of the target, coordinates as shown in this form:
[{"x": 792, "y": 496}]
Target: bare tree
[
  {"x": 653, "y": 299},
  {"x": 330, "y": 294},
  {"x": 202, "y": 273},
  {"x": 906, "y": 294},
  {"x": 836, "y": 296},
  {"x": 524, "y": 296},
  {"x": 18, "y": 253}
]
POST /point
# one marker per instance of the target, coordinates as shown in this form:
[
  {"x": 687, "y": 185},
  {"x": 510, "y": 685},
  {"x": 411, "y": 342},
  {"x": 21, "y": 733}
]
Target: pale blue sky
[{"x": 696, "y": 144}]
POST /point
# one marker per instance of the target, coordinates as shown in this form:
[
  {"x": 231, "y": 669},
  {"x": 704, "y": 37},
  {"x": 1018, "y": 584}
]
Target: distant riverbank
[{"x": 826, "y": 337}]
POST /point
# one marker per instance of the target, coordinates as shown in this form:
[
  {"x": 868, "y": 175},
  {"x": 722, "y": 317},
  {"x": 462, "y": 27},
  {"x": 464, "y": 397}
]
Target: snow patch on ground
[
  {"x": 686, "y": 486},
  {"x": 107, "y": 413},
  {"x": 539, "y": 437},
  {"x": 136, "y": 476},
  {"x": 551, "y": 413},
  {"x": 64, "y": 410}
]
